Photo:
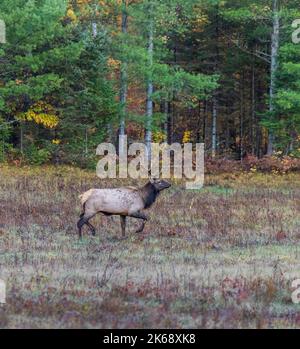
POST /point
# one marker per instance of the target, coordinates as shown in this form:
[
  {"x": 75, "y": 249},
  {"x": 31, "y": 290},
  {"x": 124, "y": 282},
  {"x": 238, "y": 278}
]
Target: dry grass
[{"x": 221, "y": 257}]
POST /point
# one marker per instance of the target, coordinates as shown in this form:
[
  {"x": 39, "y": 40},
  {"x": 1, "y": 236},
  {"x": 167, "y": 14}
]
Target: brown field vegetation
[{"x": 221, "y": 257}]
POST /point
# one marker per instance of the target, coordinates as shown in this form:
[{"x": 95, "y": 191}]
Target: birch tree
[
  {"x": 123, "y": 77},
  {"x": 274, "y": 67}
]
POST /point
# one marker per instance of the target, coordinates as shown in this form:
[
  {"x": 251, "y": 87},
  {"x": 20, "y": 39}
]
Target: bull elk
[{"x": 123, "y": 202}]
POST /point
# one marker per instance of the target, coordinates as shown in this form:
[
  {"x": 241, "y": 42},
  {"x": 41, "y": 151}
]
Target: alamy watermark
[
  {"x": 296, "y": 292},
  {"x": 188, "y": 161},
  {"x": 296, "y": 33},
  {"x": 2, "y": 32},
  {"x": 2, "y": 292}
]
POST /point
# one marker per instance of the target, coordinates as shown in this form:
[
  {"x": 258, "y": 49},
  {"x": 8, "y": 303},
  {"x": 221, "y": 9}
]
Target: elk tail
[{"x": 85, "y": 196}]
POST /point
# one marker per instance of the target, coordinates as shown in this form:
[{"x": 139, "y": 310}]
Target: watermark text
[
  {"x": 2, "y": 292},
  {"x": 186, "y": 160}
]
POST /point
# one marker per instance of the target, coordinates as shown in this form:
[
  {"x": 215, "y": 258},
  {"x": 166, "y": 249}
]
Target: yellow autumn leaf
[
  {"x": 187, "y": 136},
  {"x": 71, "y": 15},
  {"x": 41, "y": 113}
]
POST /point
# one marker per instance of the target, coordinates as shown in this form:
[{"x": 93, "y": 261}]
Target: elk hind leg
[
  {"x": 80, "y": 224},
  {"x": 82, "y": 221},
  {"x": 123, "y": 224},
  {"x": 92, "y": 228}
]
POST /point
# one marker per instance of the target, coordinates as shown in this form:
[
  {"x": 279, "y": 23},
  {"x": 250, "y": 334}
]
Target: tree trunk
[
  {"x": 227, "y": 135},
  {"x": 149, "y": 107},
  {"x": 86, "y": 141},
  {"x": 21, "y": 137},
  {"x": 109, "y": 126},
  {"x": 94, "y": 29},
  {"x": 242, "y": 111},
  {"x": 169, "y": 122},
  {"x": 215, "y": 100},
  {"x": 123, "y": 88},
  {"x": 166, "y": 112},
  {"x": 253, "y": 112},
  {"x": 260, "y": 108},
  {"x": 198, "y": 140},
  {"x": 214, "y": 127},
  {"x": 274, "y": 66},
  {"x": 204, "y": 123}
]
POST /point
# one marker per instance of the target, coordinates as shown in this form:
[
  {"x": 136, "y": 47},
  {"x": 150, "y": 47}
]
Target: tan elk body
[{"x": 124, "y": 202}]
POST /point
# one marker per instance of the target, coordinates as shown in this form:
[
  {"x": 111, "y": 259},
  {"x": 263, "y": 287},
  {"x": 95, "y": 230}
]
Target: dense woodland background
[{"x": 79, "y": 72}]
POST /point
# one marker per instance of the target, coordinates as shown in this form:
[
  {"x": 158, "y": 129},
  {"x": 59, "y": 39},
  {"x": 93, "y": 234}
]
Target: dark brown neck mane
[{"x": 148, "y": 194}]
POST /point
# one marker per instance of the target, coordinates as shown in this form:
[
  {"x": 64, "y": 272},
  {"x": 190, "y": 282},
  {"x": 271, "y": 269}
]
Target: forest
[{"x": 76, "y": 73}]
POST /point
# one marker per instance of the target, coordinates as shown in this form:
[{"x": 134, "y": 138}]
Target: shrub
[
  {"x": 267, "y": 164},
  {"x": 36, "y": 156},
  {"x": 216, "y": 166},
  {"x": 280, "y": 165}
]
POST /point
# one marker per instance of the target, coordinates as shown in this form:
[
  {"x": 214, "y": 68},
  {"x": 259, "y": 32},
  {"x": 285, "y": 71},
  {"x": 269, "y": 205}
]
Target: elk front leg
[
  {"x": 123, "y": 224},
  {"x": 140, "y": 215}
]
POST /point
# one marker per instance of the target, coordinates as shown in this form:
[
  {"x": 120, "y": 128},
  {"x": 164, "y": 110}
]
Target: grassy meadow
[{"x": 222, "y": 257}]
